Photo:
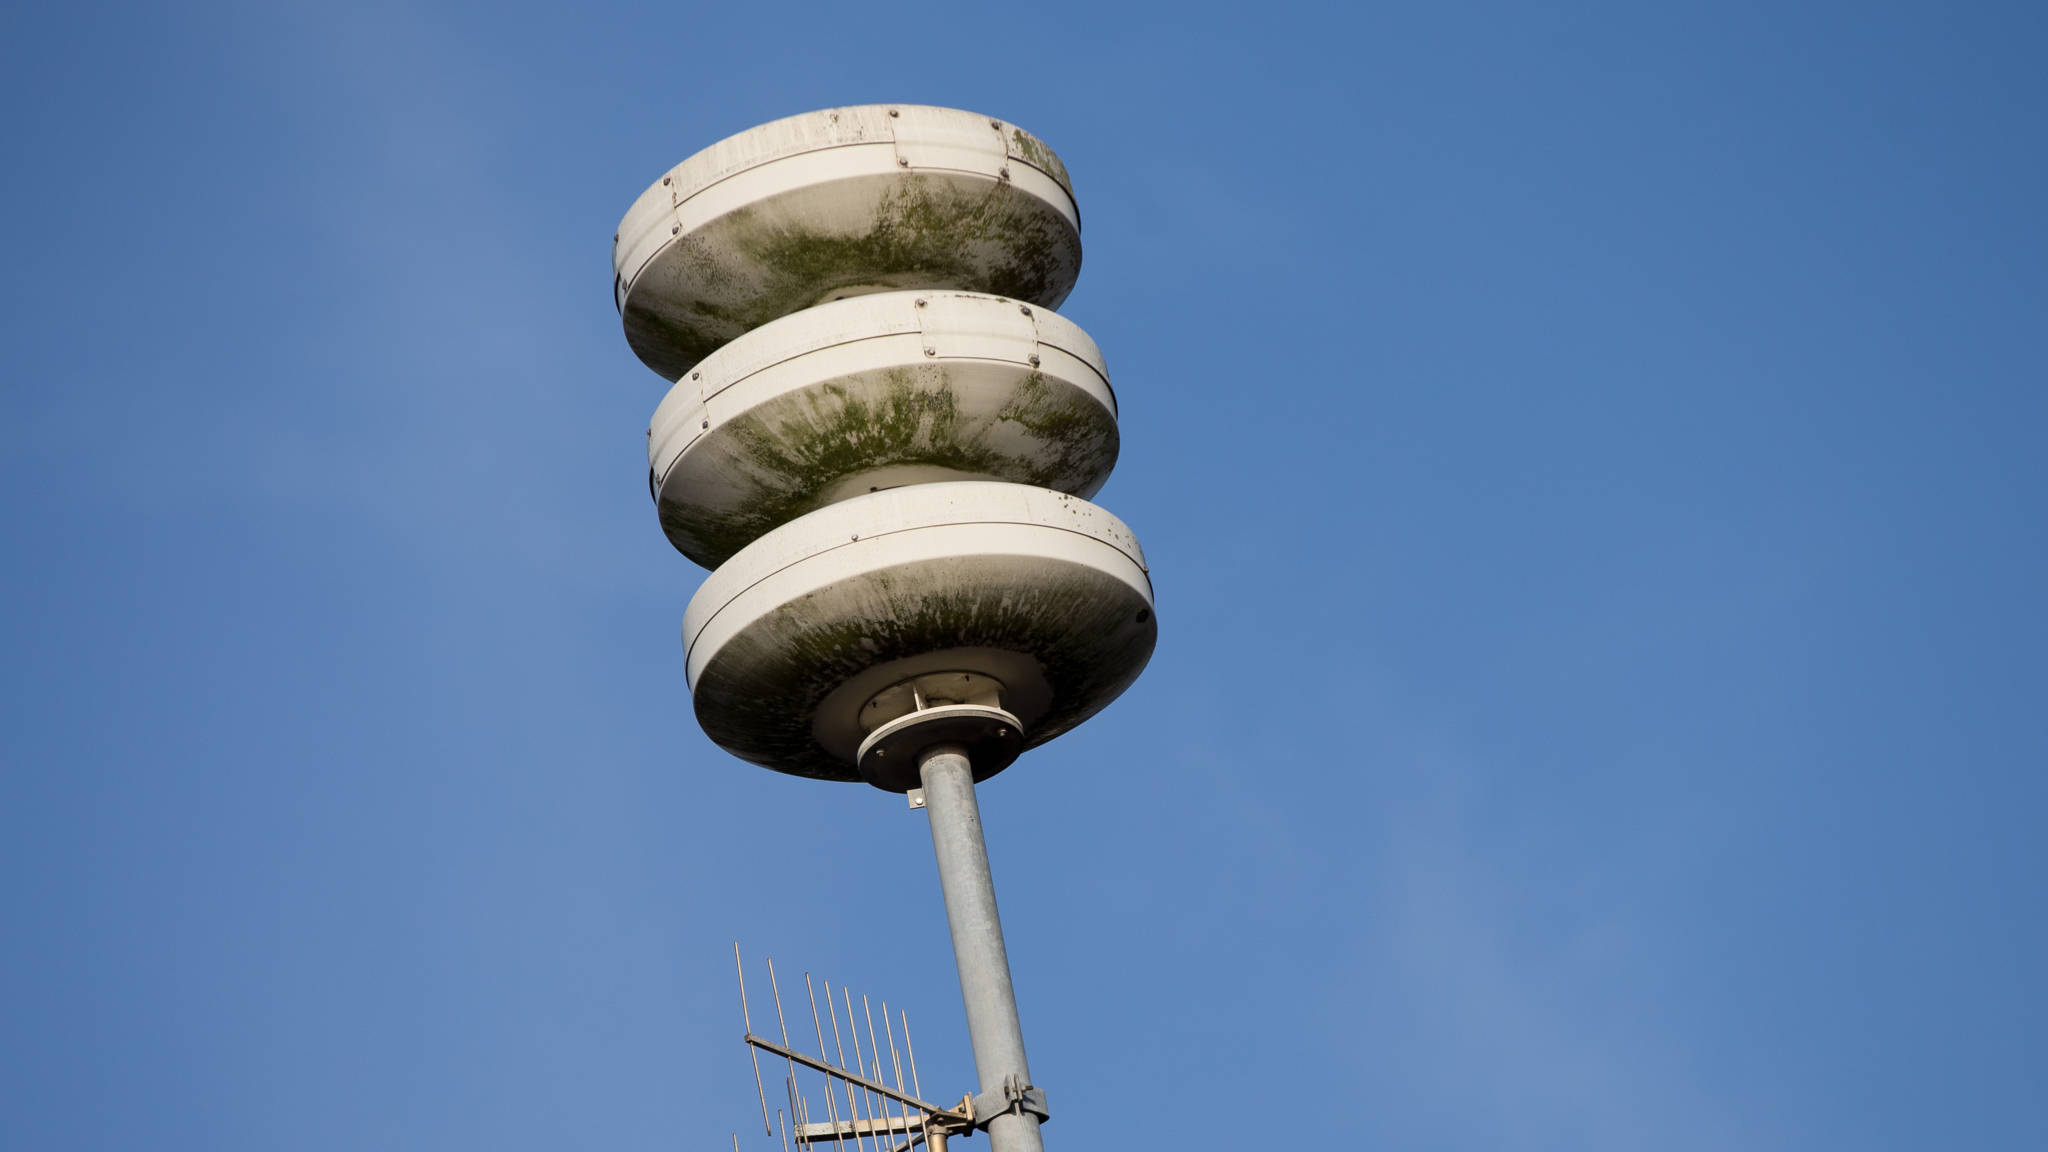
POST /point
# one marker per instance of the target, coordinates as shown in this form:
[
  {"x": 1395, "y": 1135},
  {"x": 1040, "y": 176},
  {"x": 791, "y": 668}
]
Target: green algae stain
[
  {"x": 925, "y": 233},
  {"x": 788, "y": 457},
  {"x": 1075, "y": 447},
  {"x": 668, "y": 345},
  {"x": 1079, "y": 627},
  {"x": 1034, "y": 152},
  {"x": 755, "y": 264}
]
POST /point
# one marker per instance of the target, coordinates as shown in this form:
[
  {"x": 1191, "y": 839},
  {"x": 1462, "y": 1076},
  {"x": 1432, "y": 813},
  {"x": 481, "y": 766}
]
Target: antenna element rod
[{"x": 747, "y": 1018}]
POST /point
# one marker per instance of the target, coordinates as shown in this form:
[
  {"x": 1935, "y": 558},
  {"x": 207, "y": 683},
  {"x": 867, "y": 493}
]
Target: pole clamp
[{"x": 1014, "y": 1096}]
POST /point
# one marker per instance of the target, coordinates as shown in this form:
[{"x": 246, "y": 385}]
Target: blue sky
[{"x": 1590, "y": 458}]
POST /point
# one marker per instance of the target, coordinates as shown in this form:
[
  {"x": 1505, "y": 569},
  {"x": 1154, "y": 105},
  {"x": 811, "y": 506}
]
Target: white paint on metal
[
  {"x": 837, "y": 202},
  {"x": 1041, "y": 591},
  {"x": 941, "y": 138},
  {"x": 872, "y": 393}
]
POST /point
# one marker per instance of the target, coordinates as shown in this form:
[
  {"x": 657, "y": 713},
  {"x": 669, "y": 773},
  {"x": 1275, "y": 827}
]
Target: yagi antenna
[{"x": 892, "y": 1109}]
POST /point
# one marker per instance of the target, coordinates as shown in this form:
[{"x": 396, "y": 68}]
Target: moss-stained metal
[
  {"x": 796, "y": 451},
  {"x": 994, "y": 579},
  {"x": 1033, "y": 151},
  {"x": 815, "y": 475},
  {"x": 1089, "y": 630},
  {"x": 907, "y": 229}
]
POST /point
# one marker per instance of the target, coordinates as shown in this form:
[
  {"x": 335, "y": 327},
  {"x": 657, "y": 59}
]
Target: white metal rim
[
  {"x": 780, "y": 641},
  {"x": 829, "y": 144},
  {"x": 877, "y": 392}
]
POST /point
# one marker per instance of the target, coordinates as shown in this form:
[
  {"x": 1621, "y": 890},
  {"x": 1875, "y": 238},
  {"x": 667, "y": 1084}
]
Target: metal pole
[{"x": 992, "y": 1027}]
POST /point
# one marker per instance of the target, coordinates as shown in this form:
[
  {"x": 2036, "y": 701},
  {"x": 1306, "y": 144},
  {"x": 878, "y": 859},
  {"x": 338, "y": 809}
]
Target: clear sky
[{"x": 1591, "y": 460}]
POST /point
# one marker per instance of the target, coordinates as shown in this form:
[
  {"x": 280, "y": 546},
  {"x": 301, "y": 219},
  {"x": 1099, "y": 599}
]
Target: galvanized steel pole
[{"x": 992, "y": 1026}]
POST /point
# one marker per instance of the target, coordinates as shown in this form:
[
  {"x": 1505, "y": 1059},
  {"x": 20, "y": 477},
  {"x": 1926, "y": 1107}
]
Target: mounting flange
[
  {"x": 991, "y": 736},
  {"x": 959, "y": 708}
]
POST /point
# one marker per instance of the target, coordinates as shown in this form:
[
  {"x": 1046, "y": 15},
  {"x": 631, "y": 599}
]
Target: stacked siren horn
[{"x": 881, "y": 437}]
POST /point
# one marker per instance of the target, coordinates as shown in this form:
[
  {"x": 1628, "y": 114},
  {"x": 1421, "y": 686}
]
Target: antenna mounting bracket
[{"x": 1014, "y": 1096}]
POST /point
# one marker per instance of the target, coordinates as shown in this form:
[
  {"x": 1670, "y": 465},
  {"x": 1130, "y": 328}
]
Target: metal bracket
[
  {"x": 936, "y": 138},
  {"x": 889, "y": 757},
  {"x": 956, "y": 324},
  {"x": 1015, "y": 1096},
  {"x": 916, "y": 796}
]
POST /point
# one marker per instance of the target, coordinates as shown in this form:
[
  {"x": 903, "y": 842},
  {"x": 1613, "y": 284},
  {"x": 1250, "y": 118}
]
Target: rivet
[
  {"x": 696, "y": 375},
  {"x": 920, "y": 302},
  {"x": 856, "y": 535},
  {"x": 675, "y": 229},
  {"x": 1001, "y": 732},
  {"x": 1005, "y": 172},
  {"x": 665, "y": 180},
  {"x": 892, "y": 112},
  {"x": 1024, "y": 308},
  {"x": 1034, "y": 359},
  {"x": 931, "y": 351},
  {"x": 881, "y": 752},
  {"x": 996, "y": 124},
  {"x": 903, "y": 161},
  {"x": 707, "y": 423}
]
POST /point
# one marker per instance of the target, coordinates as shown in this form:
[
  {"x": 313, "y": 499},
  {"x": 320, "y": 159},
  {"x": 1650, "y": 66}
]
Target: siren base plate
[{"x": 991, "y": 737}]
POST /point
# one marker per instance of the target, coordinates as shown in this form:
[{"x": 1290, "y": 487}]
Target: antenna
[
  {"x": 881, "y": 439},
  {"x": 891, "y": 1110}
]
